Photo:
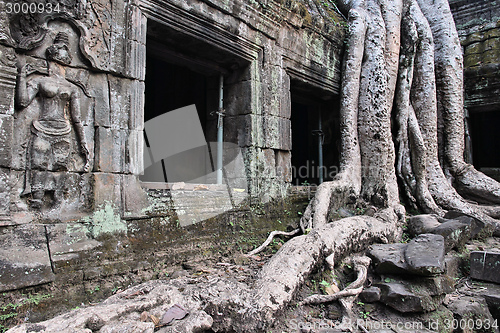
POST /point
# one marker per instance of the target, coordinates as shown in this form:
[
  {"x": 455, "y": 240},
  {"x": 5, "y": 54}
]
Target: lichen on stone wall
[
  {"x": 107, "y": 221},
  {"x": 322, "y": 15},
  {"x": 482, "y": 47}
]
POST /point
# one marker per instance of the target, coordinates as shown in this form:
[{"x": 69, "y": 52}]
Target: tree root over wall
[{"x": 402, "y": 136}]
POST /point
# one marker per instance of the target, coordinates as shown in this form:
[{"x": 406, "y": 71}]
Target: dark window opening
[
  {"x": 181, "y": 71},
  {"x": 170, "y": 87},
  {"x": 307, "y": 109},
  {"x": 485, "y": 139}
]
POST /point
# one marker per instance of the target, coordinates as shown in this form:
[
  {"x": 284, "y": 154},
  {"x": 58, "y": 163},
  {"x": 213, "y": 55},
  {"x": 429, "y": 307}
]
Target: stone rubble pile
[{"x": 418, "y": 277}]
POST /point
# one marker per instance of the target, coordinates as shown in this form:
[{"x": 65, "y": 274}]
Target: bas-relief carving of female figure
[{"x": 59, "y": 113}]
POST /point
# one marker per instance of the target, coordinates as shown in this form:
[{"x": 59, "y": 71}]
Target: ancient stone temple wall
[
  {"x": 72, "y": 95},
  {"x": 478, "y": 23}
]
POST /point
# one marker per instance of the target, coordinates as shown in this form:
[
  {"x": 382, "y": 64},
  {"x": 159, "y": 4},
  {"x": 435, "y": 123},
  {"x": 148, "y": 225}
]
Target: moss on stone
[
  {"x": 472, "y": 60},
  {"x": 474, "y": 48},
  {"x": 107, "y": 221}
]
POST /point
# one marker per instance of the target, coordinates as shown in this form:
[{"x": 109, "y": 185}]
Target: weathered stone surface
[
  {"x": 6, "y": 137},
  {"x": 493, "y": 301},
  {"x": 5, "y": 192},
  {"x": 24, "y": 257},
  {"x": 197, "y": 322},
  {"x": 134, "y": 199},
  {"x": 277, "y": 133},
  {"x": 452, "y": 263},
  {"x": 370, "y": 295},
  {"x": 120, "y": 103},
  {"x": 425, "y": 254},
  {"x": 284, "y": 165},
  {"x": 422, "y": 224},
  {"x": 270, "y": 163},
  {"x": 193, "y": 207},
  {"x": 18, "y": 208},
  {"x": 476, "y": 225},
  {"x": 455, "y": 234},
  {"x": 131, "y": 327},
  {"x": 416, "y": 295},
  {"x": 122, "y": 312},
  {"x": 110, "y": 149},
  {"x": 485, "y": 266},
  {"x": 67, "y": 242},
  {"x": 241, "y": 98},
  {"x": 136, "y": 114},
  {"x": 389, "y": 258},
  {"x": 107, "y": 189},
  {"x": 100, "y": 90},
  {"x": 7, "y": 80},
  {"x": 135, "y": 60},
  {"x": 398, "y": 297},
  {"x": 435, "y": 285},
  {"x": 472, "y": 310},
  {"x": 136, "y": 31}
]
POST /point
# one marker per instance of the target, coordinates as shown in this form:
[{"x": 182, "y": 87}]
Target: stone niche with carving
[{"x": 70, "y": 132}]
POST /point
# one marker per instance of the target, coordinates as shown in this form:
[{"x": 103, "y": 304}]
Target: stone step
[
  {"x": 423, "y": 255},
  {"x": 193, "y": 207}
]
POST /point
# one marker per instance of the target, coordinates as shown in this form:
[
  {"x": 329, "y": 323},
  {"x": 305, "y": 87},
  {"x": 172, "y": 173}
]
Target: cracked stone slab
[
  {"x": 389, "y": 258},
  {"x": 485, "y": 265},
  {"x": 24, "y": 257},
  {"x": 425, "y": 254},
  {"x": 416, "y": 295}
]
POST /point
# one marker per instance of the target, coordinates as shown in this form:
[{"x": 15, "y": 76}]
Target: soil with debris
[{"x": 178, "y": 305}]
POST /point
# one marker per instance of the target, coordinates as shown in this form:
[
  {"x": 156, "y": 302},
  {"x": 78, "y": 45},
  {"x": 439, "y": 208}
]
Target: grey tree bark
[
  {"x": 403, "y": 64},
  {"x": 402, "y": 70}
]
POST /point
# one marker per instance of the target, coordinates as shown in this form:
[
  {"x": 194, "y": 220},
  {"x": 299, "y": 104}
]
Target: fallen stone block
[
  {"x": 389, "y": 258},
  {"x": 485, "y": 266},
  {"x": 415, "y": 295},
  {"x": 455, "y": 233},
  {"x": 422, "y": 224},
  {"x": 425, "y": 254},
  {"x": 399, "y": 297},
  {"x": 476, "y": 225},
  {"x": 473, "y": 313},
  {"x": 24, "y": 258},
  {"x": 453, "y": 262},
  {"x": 493, "y": 301},
  {"x": 370, "y": 295}
]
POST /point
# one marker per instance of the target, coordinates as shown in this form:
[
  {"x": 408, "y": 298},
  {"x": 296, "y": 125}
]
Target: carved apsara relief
[
  {"x": 59, "y": 114},
  {"x": 53, "y": 137}
]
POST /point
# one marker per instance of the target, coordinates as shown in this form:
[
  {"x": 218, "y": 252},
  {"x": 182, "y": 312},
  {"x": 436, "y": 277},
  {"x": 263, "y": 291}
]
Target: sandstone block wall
[
  {"x": 71, "y": 205},
  {"x": 478, "y": 24}
]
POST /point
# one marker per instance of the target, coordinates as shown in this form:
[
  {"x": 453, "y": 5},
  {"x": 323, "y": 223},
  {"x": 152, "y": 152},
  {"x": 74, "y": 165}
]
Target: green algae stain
[
  {"x": 107, "y": 221},
  {"x": 76, "y": 232}
]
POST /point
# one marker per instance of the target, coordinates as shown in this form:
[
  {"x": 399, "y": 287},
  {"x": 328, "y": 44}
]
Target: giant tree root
[
  {"x": 354, "y": 289},
  {"x": 270, "y": 239},
  {"x": 286, "y": 271},
  {"x": 226, "y": 305}
]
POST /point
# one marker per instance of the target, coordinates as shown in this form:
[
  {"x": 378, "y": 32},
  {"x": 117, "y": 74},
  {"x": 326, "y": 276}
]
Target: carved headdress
[{"x": 59, "y": 51}]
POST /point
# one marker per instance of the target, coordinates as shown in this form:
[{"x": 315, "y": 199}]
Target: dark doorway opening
[
  {"x": 485, "y": 138},
  {"x": 182, "y": 70},
  {"x": 307, "y": 108},
  {"x": 171, "y": 87}
]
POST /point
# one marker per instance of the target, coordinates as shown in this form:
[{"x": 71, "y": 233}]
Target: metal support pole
[
  {"x": 319, "y": 133},
  {"x": 220, "y": 129},
  {"x": 320, "y": 148}
]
